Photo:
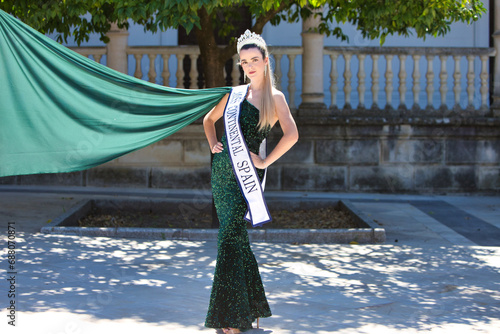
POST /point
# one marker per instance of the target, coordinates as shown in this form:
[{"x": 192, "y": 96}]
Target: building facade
[{"x": 410, "y": 116}]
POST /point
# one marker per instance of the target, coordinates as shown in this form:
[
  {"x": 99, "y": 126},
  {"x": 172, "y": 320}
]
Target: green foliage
[
  {"x": 80, "y": 18},
  {"x": 380, "y": 18},
  {"x": 374, "y": 18}
]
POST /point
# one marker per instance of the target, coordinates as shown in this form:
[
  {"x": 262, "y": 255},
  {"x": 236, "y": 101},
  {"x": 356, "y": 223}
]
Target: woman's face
[{"x": 252, "y": 62}]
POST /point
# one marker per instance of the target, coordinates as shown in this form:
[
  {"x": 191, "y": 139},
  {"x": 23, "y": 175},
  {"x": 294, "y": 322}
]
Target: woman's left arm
[{"x": 289, "y": 138}]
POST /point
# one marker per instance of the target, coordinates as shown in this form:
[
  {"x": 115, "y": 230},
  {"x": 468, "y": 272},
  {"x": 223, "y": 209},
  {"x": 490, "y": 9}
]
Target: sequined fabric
[{"x": 238, "y": 296}]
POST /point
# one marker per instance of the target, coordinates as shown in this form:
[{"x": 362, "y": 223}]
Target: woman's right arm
[{"x": 209, "y": 125}]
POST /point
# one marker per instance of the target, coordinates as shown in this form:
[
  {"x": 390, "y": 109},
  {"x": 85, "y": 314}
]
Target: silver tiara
[{"x": 250, "y": 38}]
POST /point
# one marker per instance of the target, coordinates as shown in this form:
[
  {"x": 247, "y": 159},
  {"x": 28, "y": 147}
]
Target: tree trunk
[
  {"x": 213, "y": 65},
  {"x": 212, "y": 70}
]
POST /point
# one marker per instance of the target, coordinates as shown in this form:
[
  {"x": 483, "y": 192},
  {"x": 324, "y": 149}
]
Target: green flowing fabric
[{"x": 62, "y": 112}]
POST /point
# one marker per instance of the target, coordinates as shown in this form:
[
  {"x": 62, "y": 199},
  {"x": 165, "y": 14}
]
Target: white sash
[{"x": 243, "y": 167}]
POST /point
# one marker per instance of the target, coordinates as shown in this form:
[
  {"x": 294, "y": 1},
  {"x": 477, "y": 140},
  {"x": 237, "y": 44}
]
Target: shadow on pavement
[{"x": 311, "y": 288}]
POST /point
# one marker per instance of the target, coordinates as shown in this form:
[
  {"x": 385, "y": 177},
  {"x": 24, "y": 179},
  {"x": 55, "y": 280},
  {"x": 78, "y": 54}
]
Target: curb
[
  {"x": 300, "y": 236},
  {"x": 369, "y": 234}
]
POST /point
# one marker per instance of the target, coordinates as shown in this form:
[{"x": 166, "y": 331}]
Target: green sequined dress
[{"x": 238, "y": 296}]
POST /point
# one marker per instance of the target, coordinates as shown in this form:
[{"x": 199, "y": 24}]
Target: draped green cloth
[{"x": 62, "y": 112}]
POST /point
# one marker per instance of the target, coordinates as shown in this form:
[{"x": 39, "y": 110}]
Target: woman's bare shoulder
[
  {"x": 278, "y": 96},
  {"x": 224, "y": 99}
]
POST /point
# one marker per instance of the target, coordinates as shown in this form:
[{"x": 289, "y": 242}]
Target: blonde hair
[{"x": 267, "y": 106}]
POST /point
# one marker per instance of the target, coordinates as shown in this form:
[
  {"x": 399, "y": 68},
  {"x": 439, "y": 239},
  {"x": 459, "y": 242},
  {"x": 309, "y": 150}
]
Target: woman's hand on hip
[
  {"x": 258, "y": 162},
  {"x": 217, "y": 148}
]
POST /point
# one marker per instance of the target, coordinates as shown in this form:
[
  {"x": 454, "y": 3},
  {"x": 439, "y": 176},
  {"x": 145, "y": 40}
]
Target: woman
[{"x": 238, "y": 297}]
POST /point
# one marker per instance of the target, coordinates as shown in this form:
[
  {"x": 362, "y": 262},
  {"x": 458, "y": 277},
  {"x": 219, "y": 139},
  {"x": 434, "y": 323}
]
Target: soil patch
[{"x": 330, "y": 217}]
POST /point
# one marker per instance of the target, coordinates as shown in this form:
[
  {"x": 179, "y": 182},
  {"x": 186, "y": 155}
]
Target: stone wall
[
  {"x": 380, "y": 155},
  {"x": 339, "y": 154}
]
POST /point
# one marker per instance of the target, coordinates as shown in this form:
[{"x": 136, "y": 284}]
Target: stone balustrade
[
  {"x": 94, "y": 52},
  {"x": 443, "y": 71},
  {"x": 290, "y": 53},
  {"x": 144, "y": 56},
  {"x": 363, "y": 78},
  {"x": 165, "y": 53}
]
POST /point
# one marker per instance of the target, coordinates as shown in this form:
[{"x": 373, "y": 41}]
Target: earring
[
  {"x": 265, "y": 71},
  {"x": 245, "y": 78}
]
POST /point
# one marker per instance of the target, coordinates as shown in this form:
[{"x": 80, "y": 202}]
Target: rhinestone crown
[{"x": 250, "y": 38}]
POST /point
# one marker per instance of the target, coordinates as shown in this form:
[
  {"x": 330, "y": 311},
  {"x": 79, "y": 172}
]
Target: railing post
[
  {"x": 443, "y": 82},
  {"x": 277, "y": 70},
  {"x": 456, "y": 79},
  {"x": 291, "y": 81},
  {"x": 375, "y": 81},
  {"x": 402, "y": 83},
  {"x": 180, "y": 70},
  {"x": 496, "y": 79},
  {"x": 117, "y": 48},
  {"x": 389, "y": 75},
  {"x": 416, "y": 82},
  {"x": 138, "y": 68},
  {"x": 430, "y": 82},
  {"x": 152, "y": 69},
  {"x": 334, "y": 75},
  {"x": 313, "y": 97},
  {"x": 193, "y": 73},
  {"x": 166, "y": 72},
  {"x": 361, "y": 81},
  {"x": 484, "y": 84}
]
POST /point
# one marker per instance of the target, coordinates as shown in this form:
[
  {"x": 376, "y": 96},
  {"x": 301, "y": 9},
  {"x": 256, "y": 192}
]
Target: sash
[{"x": 244, "y": 170}]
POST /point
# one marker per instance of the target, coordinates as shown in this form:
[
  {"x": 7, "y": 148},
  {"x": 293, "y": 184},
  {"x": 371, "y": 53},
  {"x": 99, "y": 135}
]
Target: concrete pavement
[{"x": 436, "y": 273}]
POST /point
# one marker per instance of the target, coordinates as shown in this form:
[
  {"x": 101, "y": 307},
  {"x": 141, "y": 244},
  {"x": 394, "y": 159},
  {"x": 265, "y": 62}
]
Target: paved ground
[{"x": 438, "y": 272}]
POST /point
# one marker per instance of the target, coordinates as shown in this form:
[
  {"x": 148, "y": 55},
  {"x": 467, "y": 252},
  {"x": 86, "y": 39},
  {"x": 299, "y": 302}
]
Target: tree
[{"x": 206, "y": 18}]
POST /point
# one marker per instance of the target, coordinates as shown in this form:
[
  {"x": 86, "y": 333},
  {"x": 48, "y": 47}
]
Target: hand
[
  {"x": 258, "y": 162},
  {"x": 217, "y": 148}
]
